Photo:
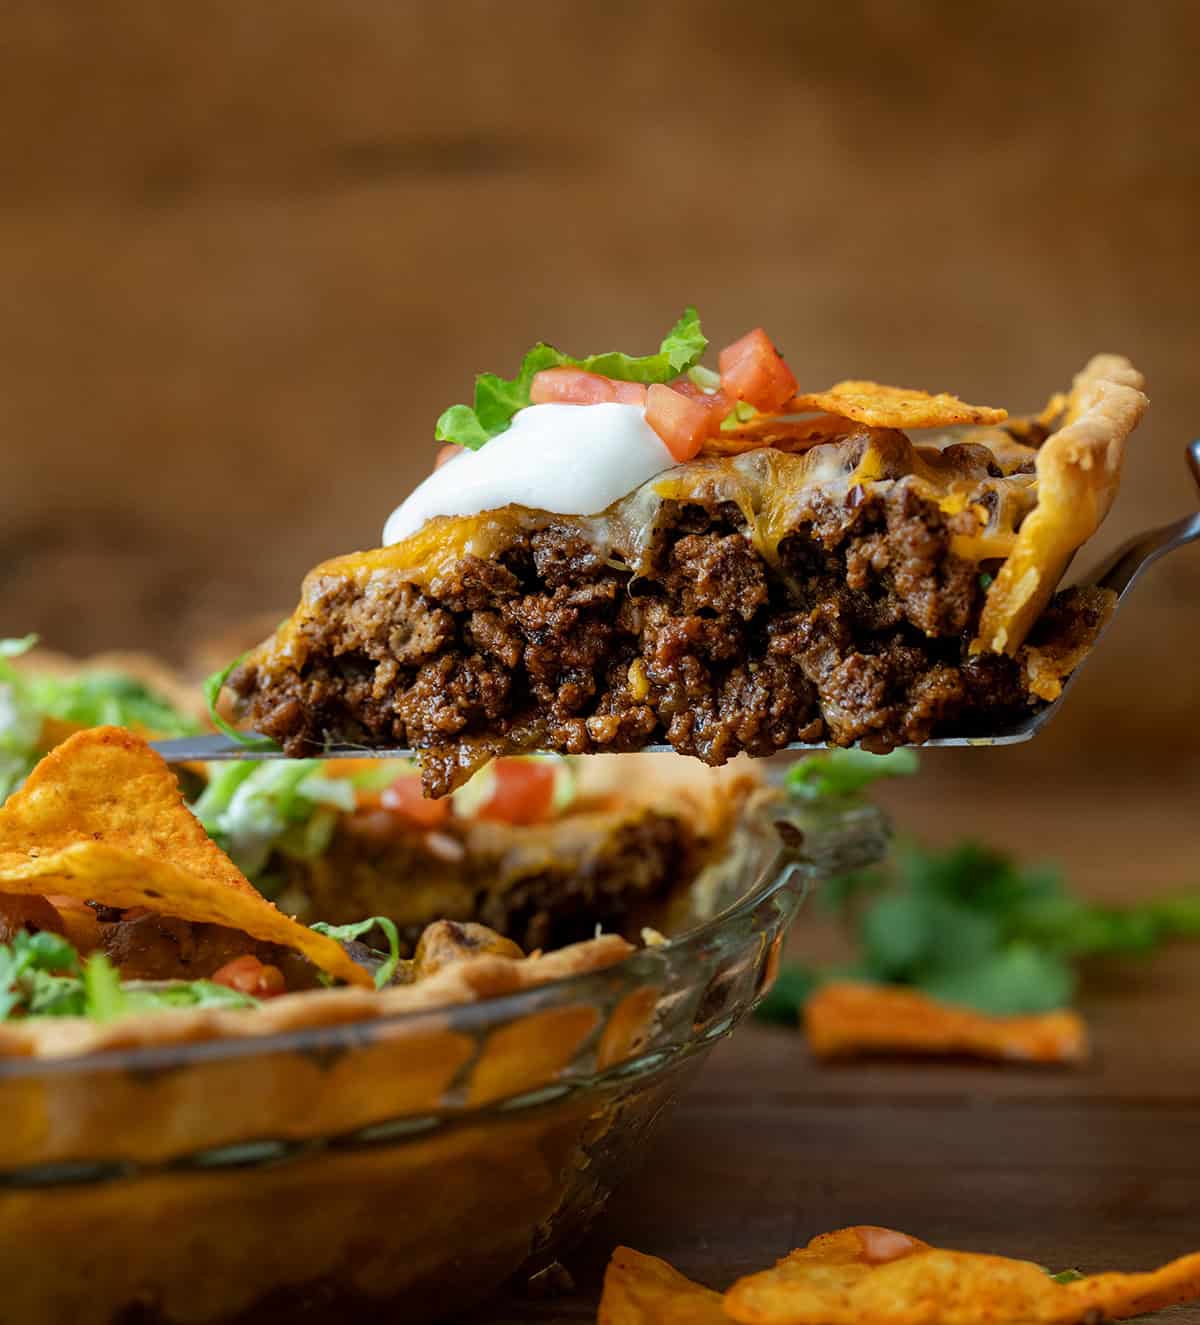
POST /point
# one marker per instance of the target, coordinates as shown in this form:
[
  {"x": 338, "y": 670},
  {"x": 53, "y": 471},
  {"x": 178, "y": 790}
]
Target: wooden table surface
[{"x": 1095, "y": 1167}]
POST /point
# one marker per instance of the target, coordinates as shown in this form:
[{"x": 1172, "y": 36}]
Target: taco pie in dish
[
  {"x": 622, "y": 552},
  {"x": 116, "y": 904},
  {"x": 541, "y": 850}
]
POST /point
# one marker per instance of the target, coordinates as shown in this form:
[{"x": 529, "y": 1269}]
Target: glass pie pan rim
[{"x": 847, "y": 836}]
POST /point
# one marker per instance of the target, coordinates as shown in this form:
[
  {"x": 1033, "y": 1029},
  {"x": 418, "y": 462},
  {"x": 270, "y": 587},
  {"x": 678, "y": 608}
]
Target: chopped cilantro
[{"x": 972, "y": 926}]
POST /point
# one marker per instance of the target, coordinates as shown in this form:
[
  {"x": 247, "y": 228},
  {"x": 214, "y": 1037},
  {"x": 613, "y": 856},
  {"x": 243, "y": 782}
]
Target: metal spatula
[{"x": 1118, "y": 573}]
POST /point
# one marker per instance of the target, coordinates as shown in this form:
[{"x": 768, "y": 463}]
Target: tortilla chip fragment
[
  {"x": 95, "y": 871},
  {"x": 789, "y": 435},
  {"x": 847, "y": 1018},
  {"x": 894, "y": 406},
  {"x": 106, "y": 785},
  {"x": 826, "y": 1284},
  {"x": 642, "y": 1290},
  {"x": 101, "y": 818}
]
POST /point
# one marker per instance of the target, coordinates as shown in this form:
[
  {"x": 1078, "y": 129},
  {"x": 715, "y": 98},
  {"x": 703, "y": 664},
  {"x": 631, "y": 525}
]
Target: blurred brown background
[{"x": 250, "y": 251}]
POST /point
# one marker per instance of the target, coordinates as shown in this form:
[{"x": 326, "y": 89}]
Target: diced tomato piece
[
  {"x": 753, "y": 370},
  {"x": 447, "y": 453},
  {"x": 682, "y": 424},
  {"x": 522, "y": 793},
  {"x": 572, "y": 386},
  {"x": 404, "y": 798},
  {"x": 376, "y": 825},
  {"x": 628, "y": 393},
  {"x": 248, "y": 975},
  {"x": 716, "y": 401}
]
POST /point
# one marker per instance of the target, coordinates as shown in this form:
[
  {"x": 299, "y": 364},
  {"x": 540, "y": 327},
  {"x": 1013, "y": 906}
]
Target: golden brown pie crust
[{"x": 467, "y": 981}]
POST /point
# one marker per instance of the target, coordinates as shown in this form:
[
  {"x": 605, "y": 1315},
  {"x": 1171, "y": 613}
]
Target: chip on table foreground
[
  {"x": 878, "y": 1276},
  {"x": 848, "y": 1018},
  {"x": 895, "y": 406},
  {"x": 642, "y": 1290},
  {"x": 101, "y": 818}
]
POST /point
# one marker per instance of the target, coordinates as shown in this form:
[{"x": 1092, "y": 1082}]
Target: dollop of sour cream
[{"x": 568, "y": 459}]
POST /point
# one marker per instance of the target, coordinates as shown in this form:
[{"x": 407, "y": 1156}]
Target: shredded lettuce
[
  {"x": 345, "y": 933},
  {"x": 108, "y": 699},
  {"x": 253, "y": 810},
  {"x": 41, "y": 975},
  {"x": 90, "y": 699},
  {"x": 213, "y": 686},
  {"x": 497, "y": 399},
  {"x": 291, "y": 806},
  {"x": 842, "y": 773},
  {"x": 20, "y": 719},
  {"x": 103, "y": 999},
  {"x": 27, "y": 957}
]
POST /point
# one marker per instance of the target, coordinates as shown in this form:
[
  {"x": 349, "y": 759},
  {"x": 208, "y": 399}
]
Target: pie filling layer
[
  {"x": 543, "y": 886},
  {"x": 731, "y": 604}
]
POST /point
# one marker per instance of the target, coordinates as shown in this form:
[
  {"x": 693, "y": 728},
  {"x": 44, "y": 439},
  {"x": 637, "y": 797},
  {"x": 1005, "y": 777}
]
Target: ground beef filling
[
  {"x": 858, "y": 631},
  {"x": 543, "y": 886}
]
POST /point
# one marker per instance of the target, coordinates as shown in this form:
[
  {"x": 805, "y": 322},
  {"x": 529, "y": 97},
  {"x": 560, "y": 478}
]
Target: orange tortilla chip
[
  {"x": 894, "y": 406},
  {"x": 827, "y": 1283},
  {"x": 846, "y": 1018},
  {"x": 642, "y": 1290},
  {"x": 107, "y": 785},
  {"x": 116, "y": 876},
  {"x": 789, "y": 435},
  {"x": 101, "y": 818}
]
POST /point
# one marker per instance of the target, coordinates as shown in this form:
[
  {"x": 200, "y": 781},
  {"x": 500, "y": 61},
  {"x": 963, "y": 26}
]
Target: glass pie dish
[{"x": 410, "y": 1164}]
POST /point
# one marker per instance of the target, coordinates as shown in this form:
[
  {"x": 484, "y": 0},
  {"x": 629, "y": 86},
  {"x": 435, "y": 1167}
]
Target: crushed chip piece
[
  {"x": 101, "y": 818},
  {"x": 830, "y": 1283},
  {"x": 848, "y": 1018},
  {"x": 116, "y": 876},
  {"x": 781, "y": 434},
  {"x": 642, "y": 1290},
  {"x": 106, "y": 785},
  {"x": 894, "y": 406}
]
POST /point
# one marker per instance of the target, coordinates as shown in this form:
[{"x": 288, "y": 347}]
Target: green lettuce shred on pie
[
  {"x": 42, "y": 975},
  {"x": 89, "y": 699},
  {"x": 497, "y": 399}
]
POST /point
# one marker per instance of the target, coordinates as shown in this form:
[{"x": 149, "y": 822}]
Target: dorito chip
[
  {"x": 849, "y": 1018},
  {"x": 781, "y": 434},
  {"x": 642, "y": 1290},
  {"x": 818, "y": 1282},
  {"x": 923, "y": 1285},
  {"x": 107, "y": 785},
  {"x": 116, "y": 876},
  {"x": 101, "y": 818},
  {"x": 894, "y": 406}
]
